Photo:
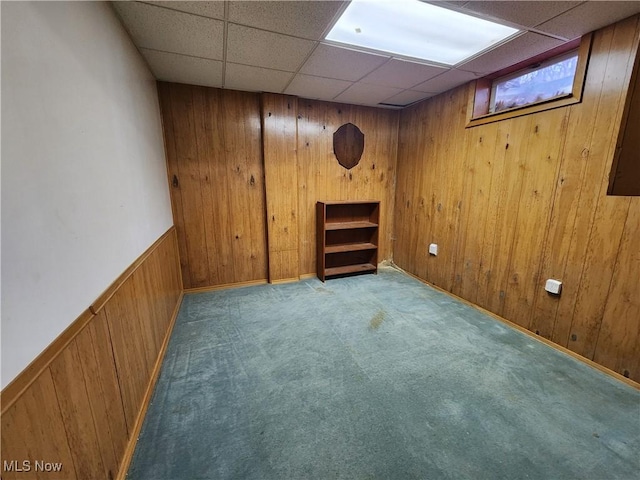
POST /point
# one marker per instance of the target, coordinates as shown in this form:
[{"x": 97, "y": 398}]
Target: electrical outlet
[
  {"x": 433, "y": 249},
  {"x": 553, "y": 286}
]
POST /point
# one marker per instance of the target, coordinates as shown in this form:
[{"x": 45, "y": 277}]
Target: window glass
[{"x": 551, "y": 79}]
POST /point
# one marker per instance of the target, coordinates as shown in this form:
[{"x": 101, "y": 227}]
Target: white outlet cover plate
[
  {"x": 433, "y": 249},
  {"x": 553, "y": 286}
]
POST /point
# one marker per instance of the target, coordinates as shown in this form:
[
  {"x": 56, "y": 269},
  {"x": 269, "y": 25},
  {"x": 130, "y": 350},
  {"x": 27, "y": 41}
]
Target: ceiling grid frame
[{"x": 322, "y": 68}]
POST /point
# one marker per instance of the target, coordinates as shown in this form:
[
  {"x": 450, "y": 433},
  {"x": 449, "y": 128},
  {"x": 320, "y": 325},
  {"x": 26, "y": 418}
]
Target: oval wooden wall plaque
[{"x": 348, "y": 145}]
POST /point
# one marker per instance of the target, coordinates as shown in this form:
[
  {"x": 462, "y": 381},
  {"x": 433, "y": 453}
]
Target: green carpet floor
[{"x": 375, "y": 377}]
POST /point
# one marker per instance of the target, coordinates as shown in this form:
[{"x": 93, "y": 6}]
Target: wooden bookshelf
[{"x": 347, "y": 238}]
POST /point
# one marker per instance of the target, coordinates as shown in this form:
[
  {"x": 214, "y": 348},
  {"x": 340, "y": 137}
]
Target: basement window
[
  {"x": 540, "y": 82},
  {"x": 550, "y": 80}
]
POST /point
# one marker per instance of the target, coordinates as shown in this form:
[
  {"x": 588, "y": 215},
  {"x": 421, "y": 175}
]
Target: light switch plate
[{"x": 433, "y": 249}]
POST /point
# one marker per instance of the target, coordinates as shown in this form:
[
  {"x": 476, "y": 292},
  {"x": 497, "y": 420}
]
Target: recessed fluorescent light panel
[{"x": 414, "y": 29}]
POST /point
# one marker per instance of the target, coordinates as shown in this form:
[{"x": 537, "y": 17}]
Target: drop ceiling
[{"x": 277, "y": 46}]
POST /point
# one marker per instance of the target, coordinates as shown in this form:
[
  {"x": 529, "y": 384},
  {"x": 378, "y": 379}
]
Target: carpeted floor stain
[{"x": 377, "y": 320}]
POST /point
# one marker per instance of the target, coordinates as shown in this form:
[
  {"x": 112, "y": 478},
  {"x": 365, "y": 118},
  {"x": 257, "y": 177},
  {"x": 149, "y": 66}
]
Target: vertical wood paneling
[
  {"x": 533, "y": 205},
  {"x": 77, "y": 417},
  {"x": 545, "y": 141},
  {"x": 279, "y": 136},
  {"x": 439, "y": 212},
  {"x": 216, "y": 178},
  {"x": 101, "y": 382},
  {"x": 494, "y": 194},
  {"x": 426, "y": 204},
  {"x": 129, "y": 349},
  {"x": 321, "y": 177},
  {"x": 610, "y": 213},
  {"x": 222, "y": 194},
  {"x": 564, "y": 228},
  {"x": 311, "y": 126},
  {"x": 403, "y": 205},
  {"x": 177, "y": 207},
  {"x": 619, "y": 338},
  {"x": 481, "y": 145},
  {"x": 82, "y": 408},
  {"x": 32, "y": 432},
  {"x": 246, "y": 184},
  {"x": 188, "y": 181},
  {"x": 503, "y": 212}
]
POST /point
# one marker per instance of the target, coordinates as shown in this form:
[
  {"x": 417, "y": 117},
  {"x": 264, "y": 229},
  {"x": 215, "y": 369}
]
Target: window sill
[{"x": 520, "y": 111}]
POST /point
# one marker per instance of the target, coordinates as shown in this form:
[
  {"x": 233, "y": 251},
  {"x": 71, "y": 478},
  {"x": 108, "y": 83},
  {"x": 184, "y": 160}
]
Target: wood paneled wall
[
  {"x": 236, "y": 160},
  {"x": 216, "y": 178},
  {"x": 516, "y": 202},
  {"x": 79, "y": 403},
  {"x": 279, "y": 120},
  {"x": 321, "y": 177}
]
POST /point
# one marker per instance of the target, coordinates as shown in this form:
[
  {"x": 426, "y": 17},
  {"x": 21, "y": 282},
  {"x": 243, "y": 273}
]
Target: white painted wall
[{"x": 84, "y": 188}]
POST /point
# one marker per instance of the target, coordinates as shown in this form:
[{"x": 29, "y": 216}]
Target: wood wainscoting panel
[
  {"x": 519, "y": 201},
  {"x": 129, "y": 349},
  {"x": 82, "y": 435},
  {"x": 83, "y": 405},
  {"x": 33, "y": 429},
  {"x": 103, "y": 391}
]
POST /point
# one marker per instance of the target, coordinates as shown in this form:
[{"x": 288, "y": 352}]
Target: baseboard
[
  {"x": 285, "y": 280},
  {"x": 226, "y": 286},
  {"x": 135, "y": 432},
  {"x": 529, "y": 333}
]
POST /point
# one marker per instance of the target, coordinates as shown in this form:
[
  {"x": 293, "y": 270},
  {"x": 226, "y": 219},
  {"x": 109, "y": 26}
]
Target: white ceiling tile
[
  {"x": 171, "y": 31},
  {"x": 519, "y": 49},
  {"x": 249, "y": 46},
  {"x": 407, "y": 97},
  {"x": 588, "y": 17},
  {"x": 172, "y": 67},
  {"x": 206, "y": 9},
  {"x": 446, "y": 81},
  {"x": 308, "y": 19},
  {"x": 402, "y": 74},
  {"x": 363, "y": 94},
  {"x": 525, "y": 13},
  {"x": 341, "y": 63},
  {"x": 316, "y": 87},
  {"x": 255, "y": 79}
]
